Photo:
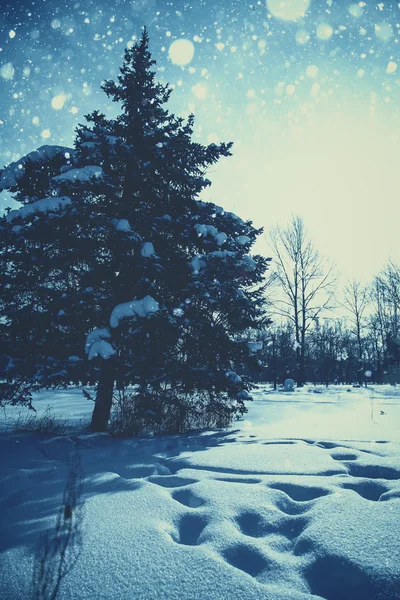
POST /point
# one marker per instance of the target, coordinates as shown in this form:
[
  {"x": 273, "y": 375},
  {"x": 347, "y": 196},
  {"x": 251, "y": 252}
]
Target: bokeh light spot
[
  {"x": 288, "y": 10},
  {"x": 302, "y": 36},
  {"x": 384, "y": 31},
  {"x": 324, "y": 31},
  {"x": 200, "y": 91},
  {"x": 7, "y": 71},
  {"x": 181, "y": 52},
  {"x": 58, "y": 101}
]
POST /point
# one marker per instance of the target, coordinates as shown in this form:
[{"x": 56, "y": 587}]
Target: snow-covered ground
[{"x": 299, "y": 500}]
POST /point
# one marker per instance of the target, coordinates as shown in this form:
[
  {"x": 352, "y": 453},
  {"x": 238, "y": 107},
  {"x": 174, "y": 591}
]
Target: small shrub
[
  {"x": 45, "y": 423},
  {"x": 167, "y": 412}
]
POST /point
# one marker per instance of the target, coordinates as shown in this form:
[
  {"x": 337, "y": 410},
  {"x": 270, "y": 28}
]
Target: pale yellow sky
[{"x": 339, "y": 174}]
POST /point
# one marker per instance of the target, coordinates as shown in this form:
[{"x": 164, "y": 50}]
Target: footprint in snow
[
  {"x": 248, "y": 480},
  {"x": 171, "y": 481},
  {"x": 295, "y": 499},
  {"x": 326, "y": 445},
  {"x": 370, "y": 490},
  {"x": 190, "y": 527},
  {"x": 300, "y": 493},
  {"x": 344, "y": 456},
  {"x": 281, "y": 443},
  {"x": 245, "y": 558},
  {"x": 338, "y": 578},
  {"x": 187, "y": 498},
  {"x": 255, "y": 525},
  {"x": 373, "y": 471}
]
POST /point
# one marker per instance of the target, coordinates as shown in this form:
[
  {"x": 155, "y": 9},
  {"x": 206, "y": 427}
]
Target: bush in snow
[
  {"x": 45, "y": 423},
  {"x": 169, "y": 413},
  {"x": 143, "y": 285}
]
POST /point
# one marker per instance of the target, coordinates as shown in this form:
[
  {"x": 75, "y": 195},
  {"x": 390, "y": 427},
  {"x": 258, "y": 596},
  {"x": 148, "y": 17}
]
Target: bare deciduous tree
[
  {"x": 355, "y": 302},
  {"x": 385, "y": 322},
  {"x": 305, "y": 279}
]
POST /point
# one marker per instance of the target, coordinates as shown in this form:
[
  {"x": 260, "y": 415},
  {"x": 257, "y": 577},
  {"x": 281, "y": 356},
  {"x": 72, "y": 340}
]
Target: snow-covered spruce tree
[{"x": 162, "y": 286}]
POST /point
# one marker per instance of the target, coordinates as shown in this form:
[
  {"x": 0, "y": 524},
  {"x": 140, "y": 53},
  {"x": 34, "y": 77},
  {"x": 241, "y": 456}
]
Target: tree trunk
[
  {"x": 301, "y": 370},
  {"x": 103, "y": 402},
  {"x": 274, "y": 361}
]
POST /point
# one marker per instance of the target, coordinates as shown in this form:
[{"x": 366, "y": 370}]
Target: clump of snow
[
  {"x": 255, "y": 346},
  {"x": 242, "y": 240},
  {"x": 123, "y": 225},
  {"x": 201, "y": 229},
  {"x": 221, "y": 253},
  {"x": 83, "y": 175},
  {"x": 40, "y": 206},
  {"x": 112, "y": 139},
  {"x": 233, "y": 377},
  {"x": 101, "y": 348},
  {"x": 244, "y": 395},
  {"x": 147, "y": 250},
  {"x": 249, "y": 263},
  {"x": 66, "y": 168},
  {"x": 134, "y": 308},
  {"x": 197, "y": 263},
  {"x": 204, "y": 230},
  {"x": 96, "y": 344},
  {"x": 220, "y": 238},
  {"x": 96, "y": 335}
]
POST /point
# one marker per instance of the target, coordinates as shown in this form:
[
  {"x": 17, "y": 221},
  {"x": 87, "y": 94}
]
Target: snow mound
[
  {"x": 211, "y": 515},
  {"x": 289, "y": 459}
]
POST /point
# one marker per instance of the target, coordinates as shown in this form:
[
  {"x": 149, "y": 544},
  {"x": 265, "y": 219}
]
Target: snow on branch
[
  {"x": 204, "y": 230},
  {"x": 96, "y": 340},
  {"x": 198, "y": 262},
  {"x": 244, "y": 395},
  {"x": 11, "y": 174},
  {"x": 40, "y": 206},
  {"x": 147, "y": 250},
  {"x": 96, "y": 344},
  {"x": 242, "y": 240},
  {"x": 122, "y": 225},
  {"x": 233, "y": 377},
  {"x": 83, "y": 175},
  {"x": 134, "y": 308}
]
